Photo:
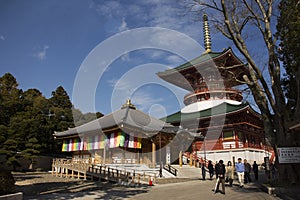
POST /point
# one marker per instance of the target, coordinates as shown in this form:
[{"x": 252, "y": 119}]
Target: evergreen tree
[
  {"x": 288, "y": 31},
  {"x": 60, "y": 118},
  {"x": 10, "y": 104},
  {"x": 28, "y": 121},
  {"x": 10, "y": 98}
]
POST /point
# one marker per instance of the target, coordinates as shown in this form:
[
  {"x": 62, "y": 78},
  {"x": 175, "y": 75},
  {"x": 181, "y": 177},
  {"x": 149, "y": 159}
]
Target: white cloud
[
  {"x": 123, "y": 26},
  {"x": 2, "y": 37},
  {"x": 173, "y": 59},
  {"x": 144, "y": 100},
  {"x": 42, "y": 52},
  {"x": 156, "y": 13},
  {"x": 126, "y": 57},
  {"x": 109, "y": 8},
  {"x": 121, "y": 85},
  {"x": 157, "y": 54}
]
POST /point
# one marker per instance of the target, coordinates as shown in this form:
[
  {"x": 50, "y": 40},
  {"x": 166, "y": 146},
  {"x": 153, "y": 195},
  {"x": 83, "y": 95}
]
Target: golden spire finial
[
  {"x": 128, "y": 104},
  {"x": 207, "y": 41}
]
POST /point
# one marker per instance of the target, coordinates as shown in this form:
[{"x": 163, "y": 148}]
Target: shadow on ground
[{"x": 48, "y": 187}]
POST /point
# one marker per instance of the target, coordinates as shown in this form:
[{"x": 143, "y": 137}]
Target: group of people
[{"x": 226, "y": 173}]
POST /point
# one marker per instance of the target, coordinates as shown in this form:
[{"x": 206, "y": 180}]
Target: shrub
[{"x": 7, "y": 182}]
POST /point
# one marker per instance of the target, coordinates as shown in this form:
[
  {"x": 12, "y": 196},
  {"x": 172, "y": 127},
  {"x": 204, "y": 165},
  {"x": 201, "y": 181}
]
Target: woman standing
[{"x": 230, "y": 173}]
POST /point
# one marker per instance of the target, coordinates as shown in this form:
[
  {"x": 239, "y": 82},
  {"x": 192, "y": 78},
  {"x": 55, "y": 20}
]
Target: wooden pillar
[
  {"x": 153, "y": 154},
  {"x": 180, "y": 159},
  {"x": 191, "y": 159},
  {"x": 104, "y": 155},
  {"x": 237, "y": 139},
  {"x": 52, "y": 172}
]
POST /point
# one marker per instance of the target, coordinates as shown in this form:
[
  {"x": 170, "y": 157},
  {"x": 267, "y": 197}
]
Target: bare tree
[{"x": 237, "y": 20}]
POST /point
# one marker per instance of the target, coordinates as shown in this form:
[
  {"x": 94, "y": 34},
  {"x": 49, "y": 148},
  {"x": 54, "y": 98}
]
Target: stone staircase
[{"x": 187, "y": 171}]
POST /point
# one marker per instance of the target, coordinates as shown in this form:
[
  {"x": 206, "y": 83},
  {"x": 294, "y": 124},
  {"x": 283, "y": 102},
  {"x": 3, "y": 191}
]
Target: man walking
[
  {"x": 255, "y": 170},
  {"x": 220, "y": 170},
  {"x": 240, "y": 169},
  {"x": 203, "y": 170},
  {"x": 247, "y": 171}
]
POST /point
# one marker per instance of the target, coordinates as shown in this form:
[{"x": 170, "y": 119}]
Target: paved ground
[
  {"x": 48, "y": 187},
  {"x": 202, "y": 190},
  {"x": 189, "y": 190},
  {"x": 189, "y": 186}
]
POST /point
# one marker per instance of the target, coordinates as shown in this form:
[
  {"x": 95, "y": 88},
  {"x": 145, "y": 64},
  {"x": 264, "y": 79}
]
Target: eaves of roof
[{"x": 221, "y": 109}]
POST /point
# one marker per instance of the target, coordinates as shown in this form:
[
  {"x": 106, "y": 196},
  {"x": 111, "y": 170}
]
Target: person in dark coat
[
  {"x": 221, "y": 170},
  {"x": 203, "y": 170},
  {"x": 210, "y": 169},
  {"x": 216, "y": 170},
  {"x": 255, "y": 170},
  {"x": 247, "y": 177}
]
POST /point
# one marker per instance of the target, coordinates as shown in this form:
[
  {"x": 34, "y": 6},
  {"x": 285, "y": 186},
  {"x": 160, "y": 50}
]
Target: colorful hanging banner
[
  {"x": 65, "y": 145},
  {"x": 113, "y": 140},
  {"x": 74, "y": 144},
  {"x": 122, "y": 139}
]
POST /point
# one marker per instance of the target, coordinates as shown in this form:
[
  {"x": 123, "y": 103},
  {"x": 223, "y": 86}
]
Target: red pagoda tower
[{"x": 214, "y": 107}]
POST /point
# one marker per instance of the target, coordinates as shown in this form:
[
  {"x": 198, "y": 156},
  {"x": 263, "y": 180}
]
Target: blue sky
[{"x": 45, "y": 43}]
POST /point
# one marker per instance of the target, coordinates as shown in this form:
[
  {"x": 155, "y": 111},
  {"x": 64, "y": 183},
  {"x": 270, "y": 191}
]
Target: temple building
[
  {"x": 214, "y": 106},
  {"x": 126, "y": 136},
  {"x": 214, "y": 124}
]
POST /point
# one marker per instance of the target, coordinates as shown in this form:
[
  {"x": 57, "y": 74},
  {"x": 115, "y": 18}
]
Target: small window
[
  {"x": 228, "y": 135},
  {"x": 240, "y": 135}
]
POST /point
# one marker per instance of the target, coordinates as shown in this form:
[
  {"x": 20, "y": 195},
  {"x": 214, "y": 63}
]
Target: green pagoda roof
[
  {"x": 202, "y": 65},
  {"x": 221, "y": 109},
  {"x": 200, "y": 59}
]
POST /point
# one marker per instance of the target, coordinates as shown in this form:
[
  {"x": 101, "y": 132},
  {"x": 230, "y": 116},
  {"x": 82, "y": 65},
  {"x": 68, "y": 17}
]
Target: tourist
[
  {"x": 220, "y": 170},
  {"x": 255, "y": 170},
  {"x": 210, "y": 169},
  {"x": 229, "y": 173},
  {"x": 240, "y": 169},
  {"x": 203, "y": 170},
  {"x": 247, "y": 178},
  {"x": 216, "y": 170}
]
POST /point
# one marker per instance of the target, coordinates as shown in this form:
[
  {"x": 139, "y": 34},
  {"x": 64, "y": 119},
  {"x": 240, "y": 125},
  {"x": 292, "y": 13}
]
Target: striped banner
[
  {"x": 139, "y": 144},
  {"x": 126, "y": 140},
  {"x": 103, "y": 140},
  {"x": 131, "y": 141},
  {"x": 122, "y": 139},
  {"x": 74, "y": 144},
  {"x": 65, "y": 146},
  {"x": 113, "y": 140}
]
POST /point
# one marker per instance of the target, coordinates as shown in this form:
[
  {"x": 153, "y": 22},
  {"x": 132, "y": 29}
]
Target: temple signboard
[{"x": 289, "y": 154}]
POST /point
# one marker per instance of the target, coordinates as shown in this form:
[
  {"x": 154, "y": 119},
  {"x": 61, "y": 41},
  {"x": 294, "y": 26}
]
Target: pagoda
[{"x": 214, "y": 106}]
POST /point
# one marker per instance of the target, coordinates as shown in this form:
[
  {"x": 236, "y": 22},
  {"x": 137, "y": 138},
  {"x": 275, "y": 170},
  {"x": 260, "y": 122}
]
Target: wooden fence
[{"x": 68, "y": 169}]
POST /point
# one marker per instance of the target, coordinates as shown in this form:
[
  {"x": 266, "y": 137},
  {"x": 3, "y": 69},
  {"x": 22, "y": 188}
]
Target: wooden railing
[{"x": 67, "y": 168}]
